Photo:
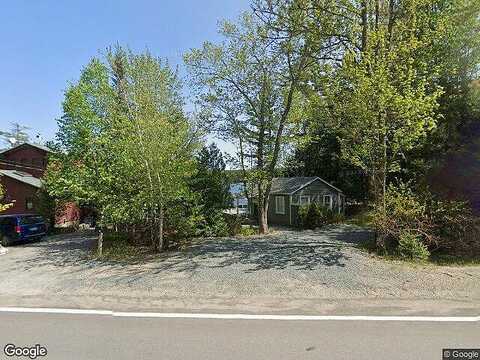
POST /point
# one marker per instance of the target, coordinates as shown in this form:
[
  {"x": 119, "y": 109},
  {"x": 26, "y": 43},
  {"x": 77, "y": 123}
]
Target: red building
[{"x": 21, "y": 170}]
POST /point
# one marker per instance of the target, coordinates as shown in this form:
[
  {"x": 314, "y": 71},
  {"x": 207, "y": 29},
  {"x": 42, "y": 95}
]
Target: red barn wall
[
  {"x": 25, "y": 158},
  {"x": 18, "y": 193}
]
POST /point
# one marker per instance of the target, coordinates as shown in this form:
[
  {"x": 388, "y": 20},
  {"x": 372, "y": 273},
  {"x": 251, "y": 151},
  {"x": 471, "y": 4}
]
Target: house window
[
  {"x": 304, "y": 200},
  {"x": 327, "y": 201},
  {"x": 29, "y": 204},
  {"x": 279, "y": 205}
]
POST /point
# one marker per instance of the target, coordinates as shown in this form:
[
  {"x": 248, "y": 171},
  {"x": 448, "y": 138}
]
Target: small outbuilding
[{"x": 289, "y": 193}]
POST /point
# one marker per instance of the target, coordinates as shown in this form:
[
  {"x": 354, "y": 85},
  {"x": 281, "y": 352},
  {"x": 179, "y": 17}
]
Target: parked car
[{"x": 22, "y": 227}]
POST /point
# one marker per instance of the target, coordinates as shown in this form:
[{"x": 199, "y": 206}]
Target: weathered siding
[
  {"x": 18, "y": 193},
  {"x": 25, "y": 158},
  {"x": 279, "y": 219},
  {"x": 317, "y": 190}
]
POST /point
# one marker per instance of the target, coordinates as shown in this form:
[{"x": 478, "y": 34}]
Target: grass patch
[
  {"x": 364, "y": 219},
  {"x": 369, "y": 245},
  {"x": 247, "y": 230},
  {"x": 117, "y": 247},
  {"x": 449, "y": 260}
]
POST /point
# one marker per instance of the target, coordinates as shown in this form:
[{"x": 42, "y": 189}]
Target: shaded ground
[{"x": 286, "y": 271}]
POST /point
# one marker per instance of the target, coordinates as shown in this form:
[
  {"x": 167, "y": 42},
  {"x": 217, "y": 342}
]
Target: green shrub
[
  {"x": 247, "y": 231},
  {"x": 440, "y": 225},
  {"x": 217, "y": 225},
  {"x": 234, "y": 223},
  {"x": 118, "y": 247},
  {"x": 411, "y": 247},
  {"x": 337, "y": 218},
  {"x": 314, "y": 215}
]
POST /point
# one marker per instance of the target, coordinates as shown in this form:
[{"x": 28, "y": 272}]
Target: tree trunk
[
  {"x": 263, "y": 218},
  {"x": 384, "y": 175},
  {"x": 153, "y": 232},
  {"x": 364, "y": 25},
  {"x": 100, "y": 243},
  {"x": 162, "y": 243}
]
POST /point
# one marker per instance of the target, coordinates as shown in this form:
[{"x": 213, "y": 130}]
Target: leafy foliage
[
  {"x": 3, "y": 206},
  {"x": 411, "y": 247},
  {"x": 248, "y": 91},
  {"x": 125, "y": 146},
  {"x": 441, "y": 226},
  {"x": 314, "y": 216},
  {"x": 210, "y": 180}
]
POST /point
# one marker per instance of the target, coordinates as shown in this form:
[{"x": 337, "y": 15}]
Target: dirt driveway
[{"x": 288, "y": 271}]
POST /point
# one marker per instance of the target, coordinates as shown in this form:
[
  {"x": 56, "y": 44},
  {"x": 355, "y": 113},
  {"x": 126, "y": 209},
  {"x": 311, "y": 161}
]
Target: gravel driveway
[{"x": 288, "y": 271}]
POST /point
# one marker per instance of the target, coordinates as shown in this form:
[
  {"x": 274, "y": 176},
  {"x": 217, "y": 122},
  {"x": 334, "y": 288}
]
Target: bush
[
  {"x": 118, "y": 247},
  {"x": 439, "y": 225},
  {"x": 247, "y": 231},
  {"x": 217, "y": 225},
  {"x": 411, "y": 247},
  {"x": 234, "y": 223},
  {"x": 314, "y": 215}
]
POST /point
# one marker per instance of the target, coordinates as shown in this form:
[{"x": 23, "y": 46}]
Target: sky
[{"x": 45, "y": 43}]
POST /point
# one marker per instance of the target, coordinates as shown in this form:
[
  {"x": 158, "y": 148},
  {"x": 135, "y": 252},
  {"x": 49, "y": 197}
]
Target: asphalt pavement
[{"x": 96, "y": 337}]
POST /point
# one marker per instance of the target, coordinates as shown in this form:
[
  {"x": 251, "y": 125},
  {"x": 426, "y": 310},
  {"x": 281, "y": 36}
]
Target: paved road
[{"x": 105, "y": 337}]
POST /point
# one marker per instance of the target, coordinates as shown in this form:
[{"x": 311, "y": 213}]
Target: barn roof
[
  {"x": 38, "y": 146},
  {"x": 23, "y": 177}
]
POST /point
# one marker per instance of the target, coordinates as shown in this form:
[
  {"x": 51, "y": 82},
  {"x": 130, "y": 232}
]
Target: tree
[
  {"x": 16, "y": 135},
  {"x": 383, "y": 105},
  {"x": 156, "y": 142},
  {"x": 125, "y": 147},
  {"x": 3, "y": 206},
  {"x": 321, "y": 156},
  {"x": 248, "y": 87},
  {"x": 82, "y": 169},
  {"x": 210, "y": 180}
]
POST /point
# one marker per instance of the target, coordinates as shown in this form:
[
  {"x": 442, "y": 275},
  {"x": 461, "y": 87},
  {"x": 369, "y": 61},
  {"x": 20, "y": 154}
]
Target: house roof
[
  {"x": 23, "y": 177},
  {"x": 290, "y": 185},
  {"x": 38, "y": 146}
]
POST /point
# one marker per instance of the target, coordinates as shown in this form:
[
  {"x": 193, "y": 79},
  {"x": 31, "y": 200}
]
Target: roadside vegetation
[{"x": 377, "y": 97}]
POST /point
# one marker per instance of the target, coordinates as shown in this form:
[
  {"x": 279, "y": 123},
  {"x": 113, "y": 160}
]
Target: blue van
[{"x": 23, "y": 227}]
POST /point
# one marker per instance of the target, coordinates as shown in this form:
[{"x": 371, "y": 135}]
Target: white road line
[
  {"x": 242, "y": 316},
  {"x": 55, "y": 311}
]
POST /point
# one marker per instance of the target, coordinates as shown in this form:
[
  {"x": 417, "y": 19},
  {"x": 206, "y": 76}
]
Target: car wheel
[{"x": 5, "y": 241}]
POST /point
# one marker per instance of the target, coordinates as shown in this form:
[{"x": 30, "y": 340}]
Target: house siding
[
  {"x": 317, "y": 190},
  {"x": 279, "y": 219},
  {"x": 25, "y": 158},
  {"x": 32, "y": 160},
  {"x": 18, "y": 193}
]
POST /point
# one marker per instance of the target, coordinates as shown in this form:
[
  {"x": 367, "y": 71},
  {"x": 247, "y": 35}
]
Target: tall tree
[
  {"x": 210, "y": 180},
  {"x": 81, "y": 169},
  {"x": 125, "y": 146},
  {"x": 248, "y": 85},
  {"x": 156, "y": 137},
  {"x": 16, "y": 135},
  {"x": 390, "y": 62}
]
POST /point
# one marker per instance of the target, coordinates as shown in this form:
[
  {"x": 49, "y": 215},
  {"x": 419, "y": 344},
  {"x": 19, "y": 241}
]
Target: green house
[{"x": 288, "y": 194}]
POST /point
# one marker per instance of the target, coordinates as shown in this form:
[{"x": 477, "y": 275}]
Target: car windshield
[{"x": 28, "y": 220}]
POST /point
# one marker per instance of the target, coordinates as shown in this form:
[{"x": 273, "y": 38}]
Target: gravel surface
[{"x": 284, "y": 271}]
